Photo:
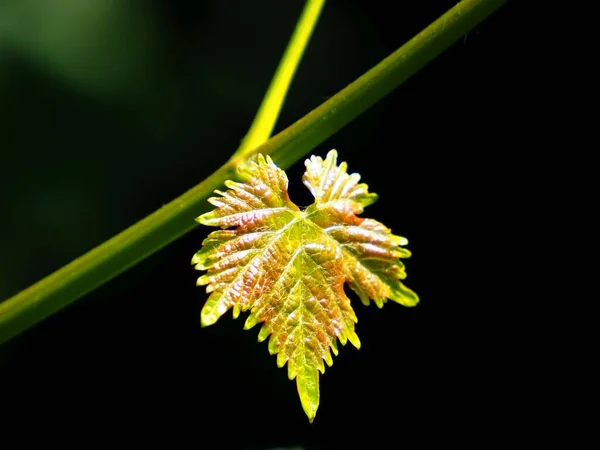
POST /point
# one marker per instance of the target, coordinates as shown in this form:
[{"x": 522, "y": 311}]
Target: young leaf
[{"x": 288, "y": 266}]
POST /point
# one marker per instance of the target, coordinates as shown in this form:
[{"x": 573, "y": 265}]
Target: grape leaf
[{"x": 288, "y": 266}]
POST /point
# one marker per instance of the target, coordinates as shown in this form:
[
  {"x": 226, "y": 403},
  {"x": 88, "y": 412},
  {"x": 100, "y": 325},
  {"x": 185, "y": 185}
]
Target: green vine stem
[
  {"x": 131, "y": 246},
  {"x": 267, "y": 114}
]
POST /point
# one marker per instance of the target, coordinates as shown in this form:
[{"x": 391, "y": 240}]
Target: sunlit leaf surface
[{"x": 288, "y": 266}]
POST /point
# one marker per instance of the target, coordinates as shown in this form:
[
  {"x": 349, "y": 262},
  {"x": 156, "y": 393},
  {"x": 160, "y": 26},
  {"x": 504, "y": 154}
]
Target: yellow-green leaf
[{"x": 288, "y": 266}]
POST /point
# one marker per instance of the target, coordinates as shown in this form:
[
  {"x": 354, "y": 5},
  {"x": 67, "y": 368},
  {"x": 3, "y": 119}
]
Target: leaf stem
[
  {"x": 131, "y": 246},
  {"x": 265, "y": 119}
]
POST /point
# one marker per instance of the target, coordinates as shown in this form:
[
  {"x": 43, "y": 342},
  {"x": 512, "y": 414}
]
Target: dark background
[{"x": 110, "y": 109}]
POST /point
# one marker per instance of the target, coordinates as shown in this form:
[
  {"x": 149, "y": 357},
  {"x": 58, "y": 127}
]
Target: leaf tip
[
  {"x": 353, "y": 338},
  {"x": 203, "y": 322},
  {"x": 332, "y": 155},
  {"x": 307, "y": 382},
  {"x": 206, "y": 218},
  {"x": 211, "y": 312},
  {"x": 251, "y": 320},
  {"x": 405, "y": 296},
  {"x": 202, "y": 281}
]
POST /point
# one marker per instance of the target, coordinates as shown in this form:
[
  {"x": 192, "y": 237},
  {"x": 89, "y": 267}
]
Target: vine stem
[
  {"x": 267, "y": 114},
  {"x": 173, "y": 220}
]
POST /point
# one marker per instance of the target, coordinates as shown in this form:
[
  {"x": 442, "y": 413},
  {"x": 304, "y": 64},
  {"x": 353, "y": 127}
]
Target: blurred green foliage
[{"x": 106, "y": 48}]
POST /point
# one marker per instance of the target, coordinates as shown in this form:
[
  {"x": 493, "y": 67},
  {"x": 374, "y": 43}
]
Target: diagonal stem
[{"x": 267, "y": 114}]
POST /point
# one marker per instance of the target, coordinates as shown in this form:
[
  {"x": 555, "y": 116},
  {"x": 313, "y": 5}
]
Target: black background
[{"x": 169, "y": 95}]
